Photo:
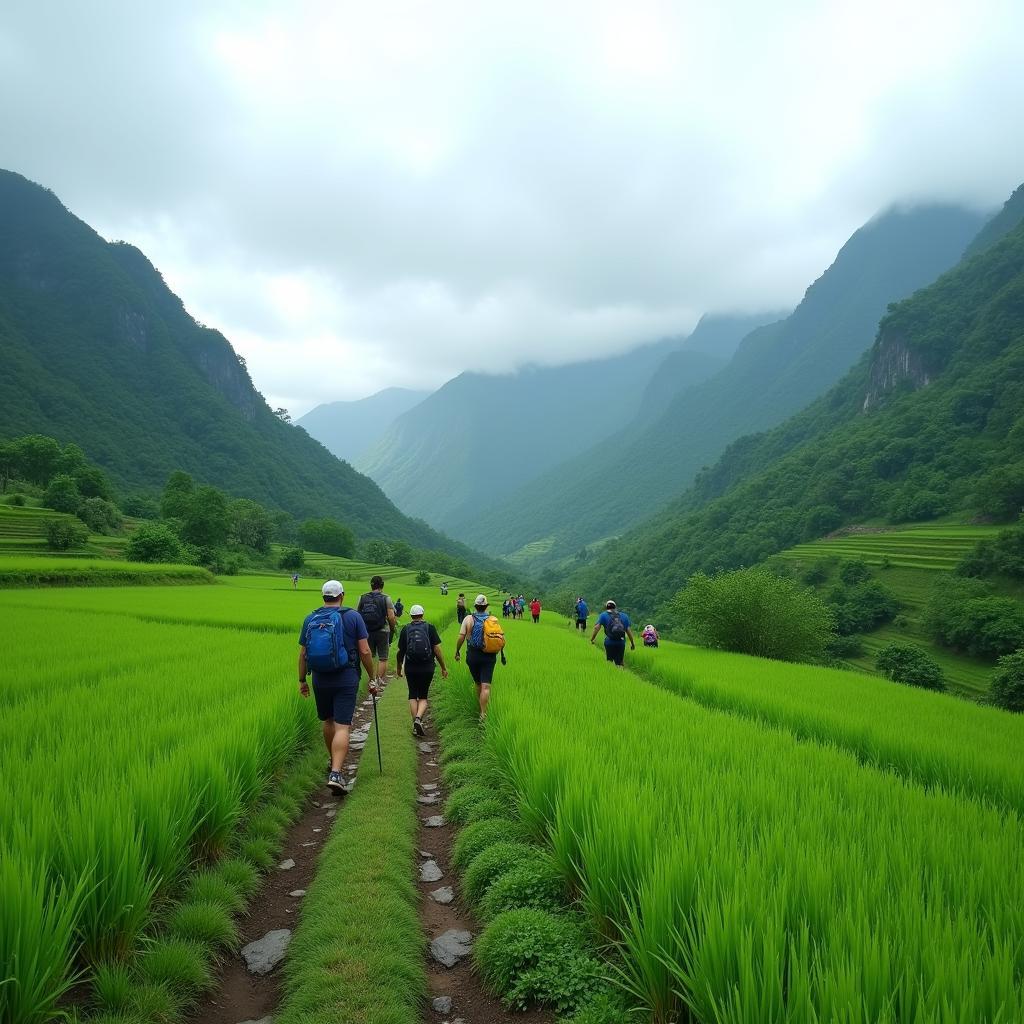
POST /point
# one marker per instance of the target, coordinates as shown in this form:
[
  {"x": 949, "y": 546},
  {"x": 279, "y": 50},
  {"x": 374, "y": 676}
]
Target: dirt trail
[
  {"x": 242, "y": 996},
  {"x": 471, "y": 1003}
]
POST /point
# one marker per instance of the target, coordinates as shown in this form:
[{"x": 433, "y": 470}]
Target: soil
[
  {"x": 241, "y": 996},
  {"x": 470, "y": 1000}
]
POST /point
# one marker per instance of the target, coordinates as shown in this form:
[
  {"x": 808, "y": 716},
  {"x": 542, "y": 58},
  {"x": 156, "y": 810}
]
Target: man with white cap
[
  {"x": 332, "y": 643},
  {"x": 419, "y": 647},
  {"x": 617, "y": 628},
  {"x": 479, "y": 661}
]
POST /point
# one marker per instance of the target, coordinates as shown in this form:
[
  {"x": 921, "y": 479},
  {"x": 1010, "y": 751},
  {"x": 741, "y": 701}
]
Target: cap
[
  {"x": 609, "y": 604},
  {"x": 416, "y": 609},
  {"x": 481, "y": 601},
  {"x": 332, "y": 588}
]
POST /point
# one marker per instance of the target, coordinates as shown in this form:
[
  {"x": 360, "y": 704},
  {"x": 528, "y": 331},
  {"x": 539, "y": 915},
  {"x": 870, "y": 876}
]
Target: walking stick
[{"x": 376, "y": 732}]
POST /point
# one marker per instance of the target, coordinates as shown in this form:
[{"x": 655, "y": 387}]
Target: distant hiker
[
  {"x": 419, "y": 646},
  {"x": 582, "y": 611},
  {"x": 444, "y": 589},
  {"x": 520, "y": 605},
  {"x": 616, "y": 629},
  {"x": 504, "y": 608},
  {"x": 399, "y": 608},
  {"x": 332, "y": 643},
  {"x": 379, "y": 615},
  {"x": 650, "y": 635},
  {"x": 460, "y": 607},
  {"x": 535, "y": 610},
  {"x": 295, "y": 581},
  {"x": 484, "y": 639}
]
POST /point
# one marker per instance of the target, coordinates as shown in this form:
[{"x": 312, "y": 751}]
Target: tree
[
  {"x": 64, "y": 534},
  {"x": 62, "y": 494},
  {"x": 291, "y": 559},
  {"x": 423, "y": 578},
  {"x": 71, "y": 459},
  {"x": 251, "y": 524},
  {"x": 9, "y": 463},
  {"x": 92, "y": 482},
  {"x": 753, "y": 611},
  {"x": 38, "y": 457},
  {"x": 205, "y": 521},
  {"x": 378, "y": 552},
  {"x": 178, "y": 493},
  {"x": 907, "y": 663},
  {"x": 854, "y": 570},
  {"x": 141, "y": 506},
  {"x": 402, "y": 553},
  {"x": 327, "y": 536},
  {"x": 283, "y": 414},
  {"x": 153, "y": 542},
  {"x": 100, "y": 516},
  {"x": 1007, "y": 690}
]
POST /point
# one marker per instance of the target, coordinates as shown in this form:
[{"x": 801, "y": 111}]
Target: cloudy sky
[{"x": 371, "y": 194}]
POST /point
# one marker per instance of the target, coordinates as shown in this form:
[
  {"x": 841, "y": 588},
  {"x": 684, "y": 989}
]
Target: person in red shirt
[{"x": 535, "y": 610}]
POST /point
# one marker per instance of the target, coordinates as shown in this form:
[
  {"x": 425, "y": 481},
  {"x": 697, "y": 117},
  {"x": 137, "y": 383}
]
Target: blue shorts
[{"x": 335, "y": 700}]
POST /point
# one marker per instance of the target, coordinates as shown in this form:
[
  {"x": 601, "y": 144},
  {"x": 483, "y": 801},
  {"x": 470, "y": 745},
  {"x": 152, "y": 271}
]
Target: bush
[
  {"x": 490, "y": 864},
  {"x": 1007, "y": 690},
  {"x": 291, "y": 559},
  {"x": 849, "y": 646},
  {"x": 532, "y": 883},
  {"x": 854, "y": 570},
  {"x": 907, "y": 663},
  {"x": 62, "y": 494},
  {"x": 862, "y": 607},
  {"x": 815, "y": 573},
  {"x": 100, "y": 515},
  {"x": 153, "y": 542},
  {"x": 533, "y": 957},
  {"x": 423, "y": 578},
  {"x": 753, "y": 611},
  {"x": 477, "y": 836},
  {"x": 460, "y": 802},
  {"x": 965, "y": 615},
  {"x": 141, "y": 506},
  {"x": 64, "y": 534},
  {"x": 17, "y": 500},
  {"x": 1001, "y": 556}
]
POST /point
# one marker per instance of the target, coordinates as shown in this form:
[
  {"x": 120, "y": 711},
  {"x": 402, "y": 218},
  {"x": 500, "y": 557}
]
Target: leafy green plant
[
  {"x": 534, "y": 883},
  {"x": 908, "y": 663},
  {"x": 64, "y": 534},
  {"x": 1007, "y": 690},
  {"x": 423, "y": 578},
  {"x": 153, "y": 542},
  {"x": 490, "y": 864},
  {"x": 477, "y": 836},
  {"x": 460, "y": 803}
]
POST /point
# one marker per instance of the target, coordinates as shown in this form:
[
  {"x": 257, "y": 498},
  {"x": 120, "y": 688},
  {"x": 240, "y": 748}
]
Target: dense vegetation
[{"x": 944, "y": 434}]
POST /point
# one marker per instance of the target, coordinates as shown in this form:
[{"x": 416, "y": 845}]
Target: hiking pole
[{"x": 376, "y": 732}]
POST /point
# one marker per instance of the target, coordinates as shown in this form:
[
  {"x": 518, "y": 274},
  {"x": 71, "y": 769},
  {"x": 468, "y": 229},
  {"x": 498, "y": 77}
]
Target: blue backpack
[{"x": 325, "y": 640}]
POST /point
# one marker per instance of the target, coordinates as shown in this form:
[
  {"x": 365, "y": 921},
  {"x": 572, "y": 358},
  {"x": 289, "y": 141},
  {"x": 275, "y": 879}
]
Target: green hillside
[
  {"x": 776, "y": 371},
  {"x": 930, "y": 423},
  {"x": 97, "y": 350}
]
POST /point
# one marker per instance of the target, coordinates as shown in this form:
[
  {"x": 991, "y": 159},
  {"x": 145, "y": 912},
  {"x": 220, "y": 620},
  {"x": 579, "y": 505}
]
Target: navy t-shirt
[
  {"x": 353, "y": 630},
  {"x": 605, "y": 618},
  {"x": 582, "y": 610}
]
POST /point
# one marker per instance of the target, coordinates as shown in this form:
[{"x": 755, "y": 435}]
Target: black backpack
[
  {"x": 614, "y": 629},
  {"x": 374, "y": 609},
  {"x": 417, "y": 643}
]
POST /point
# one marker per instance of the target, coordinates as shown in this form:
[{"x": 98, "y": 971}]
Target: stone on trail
[
  {"x": 430, "y": 798},
  {"x": 428, "y": 787},
  {"x": 331, "y": 813},
  {"x": 426, "y": 748},
  {"x": 297, "y": 892},
  {"x": 263, "y": 955},
  {"x": 434, "y": 821},
  {"x": 451, "y": 946},
  {"x": 442, "y": 1004},
  {"x": 309, "y": 844},
  {"x": 424, "y": 853},
  {"x": 286, "y": 865},
  {"x": 318, "y": 830},
  {"x": 430, "y": 872},
  {"x": 443, "y": 895}
]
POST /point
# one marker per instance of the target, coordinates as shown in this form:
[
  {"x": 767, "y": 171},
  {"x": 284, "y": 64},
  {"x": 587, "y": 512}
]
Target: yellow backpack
[{"x": 487, "y": 634}]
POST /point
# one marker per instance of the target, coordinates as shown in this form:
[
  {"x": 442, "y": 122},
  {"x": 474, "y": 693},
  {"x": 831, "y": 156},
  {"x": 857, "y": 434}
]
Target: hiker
[
  {"x": 334, "y": 636},
  {"x": 650, "y": 635},
  {"x": 379, "y": 615},
  {"x": 616, "y": 628},
  {"x": 582, "y": 611},
  {"x": 482, "y": 635},
  {"x": 504, "y": 608},
  {"x": 295, "y": 581},
  {"x": 460, "y": 608},
  {"x": 419, "y": 646},
  {"x": 535, "y": 609},
  {"x": 520, "y": 605},
  {"x": 444, "y": 589},
  {"x": 399, "y": 608}
]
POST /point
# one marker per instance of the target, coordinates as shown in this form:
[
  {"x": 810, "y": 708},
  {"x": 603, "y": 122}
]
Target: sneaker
[
  {"x": 336, "y": 782},
  {"x": 417, "y": 728}
]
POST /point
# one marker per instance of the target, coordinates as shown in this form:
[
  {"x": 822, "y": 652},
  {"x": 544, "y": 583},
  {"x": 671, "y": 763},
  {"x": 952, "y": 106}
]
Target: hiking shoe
[
  {"x": 336, "y": 782},
  {"x": 417, "y": 728}
]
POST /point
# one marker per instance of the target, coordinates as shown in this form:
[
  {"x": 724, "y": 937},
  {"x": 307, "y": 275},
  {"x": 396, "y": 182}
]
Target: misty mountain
[
  {"x": 480, "y": 435},
  {"x": 776, "y": 370},
  {"x": 97, "y": 350},
  {"x": 348, "y": 429},
  {"x": 929, "y": 422}
]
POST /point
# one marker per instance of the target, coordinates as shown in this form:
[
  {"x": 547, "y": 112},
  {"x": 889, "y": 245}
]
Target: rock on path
[
  {"x": 442, "y": 1004},
  {"x": 434, "y": 821},
  {"x": 443, "y": 895},
  {"x": 263, "y": 955},
  {"x": 286, "y": 865},
  {"x": 430, "y": 872},
  {"x": 451, "y": 946}
]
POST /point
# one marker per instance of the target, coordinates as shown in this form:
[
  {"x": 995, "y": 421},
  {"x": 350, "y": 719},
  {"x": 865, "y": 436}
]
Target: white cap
[
  {"x": 481, "y": 601},
  {"x": 416, "y": 609},
  {"x": 609, "y": 604},
  {"x": 332, "y": 588}
]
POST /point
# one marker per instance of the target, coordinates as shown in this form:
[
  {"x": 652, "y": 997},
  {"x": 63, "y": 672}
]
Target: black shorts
[
  {"x": 480, "y": 665},
  {"x": 615, "y": 652},
  {"x": 380, "y": 640},
  {"x": 419, "y": 684},
  {"x": 335, "y": 700},
  {"x": 581, "y": 623},
  {"x": 536, "y": 617}
]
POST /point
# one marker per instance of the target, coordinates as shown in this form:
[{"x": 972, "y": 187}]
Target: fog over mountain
[{"x": 364, "y": 196}]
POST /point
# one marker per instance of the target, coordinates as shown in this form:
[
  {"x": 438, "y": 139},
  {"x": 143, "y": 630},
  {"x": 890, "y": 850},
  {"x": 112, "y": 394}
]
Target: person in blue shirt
[
  {"x": 335, "y": 692},
  {"x": 582, "y": 611},
  {"x": 616, "y": 630}
]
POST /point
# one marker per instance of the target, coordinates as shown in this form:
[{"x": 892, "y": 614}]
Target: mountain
[
  {"x": 348, "y": 429},
  {"x": 481, "y": 435},
  {"x": 96, "y": 349},
  {"x": 776, "y": 370},
  {"x": 929, "y": 422}
]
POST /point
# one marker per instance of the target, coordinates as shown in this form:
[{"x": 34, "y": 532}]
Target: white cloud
[{"x": 394, "y": 192}]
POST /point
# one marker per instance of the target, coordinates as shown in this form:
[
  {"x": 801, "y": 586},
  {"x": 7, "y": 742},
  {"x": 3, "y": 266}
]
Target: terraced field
[{"x": 23, "y": 532}]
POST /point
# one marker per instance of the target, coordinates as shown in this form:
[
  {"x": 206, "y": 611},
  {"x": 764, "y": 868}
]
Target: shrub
[
  {"x": 605, "y": 1006},
  {"x": 815, "y": 573},
  {"x": 533, "y": 957},
  {"x": 477, "y": 769},
  {"x": 907, "y": 663},
  {"x": 965, "y": 615},
  {"x": 64, "y": 534},
  {"x": 1007, "y": 690},
  {"x": 62, "y": 494},
  {"x": 530, "y": 883},
  {"x": 17, "y": 500},
  {"x": 212, "y": 887},
  {"x": 862, "y": 607},
  {"x": 423, "y": 578},
  {"x": 100, "y": 515},
  {"x": 460, "y": 749},
  {"x": 182, "y": 966},
  {"x": 153, "y": 542},
  {"x": 206, "y": 923},
  {"x": 854, "y": 570},
  {"x": 1003, "y": 555},
  {"x": 847, "y": 646},
  {"x": 477, "y": 836},
  {"x": 487, "y": 865},
  {"x": 753, "y": 611},
  {"x": 492, "y": 807},
  {"x": 291, "y": 559},
  {"x": 462, "y": 800}
]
